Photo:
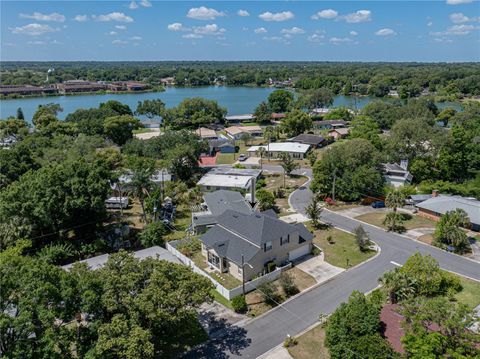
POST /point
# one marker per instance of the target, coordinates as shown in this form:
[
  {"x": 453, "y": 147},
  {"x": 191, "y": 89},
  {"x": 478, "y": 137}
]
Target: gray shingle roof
[
  {"x": 221, "y": 200},
  {"x": 308, "y": 139},
  {"x": 237, "y": 233},
  {"x": 444, "y": 203}
]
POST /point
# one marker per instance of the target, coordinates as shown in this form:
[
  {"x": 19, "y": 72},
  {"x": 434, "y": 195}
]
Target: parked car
[
  {"x": 378, "y": 204},
  {"x": 242, "y": 157}
]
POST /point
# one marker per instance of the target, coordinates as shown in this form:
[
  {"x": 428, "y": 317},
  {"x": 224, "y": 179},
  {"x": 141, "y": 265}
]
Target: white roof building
[
  {"x": 297, "y": 150},
  {"x": 239, "y": 118},
  {"x": 214, "y": 182}
]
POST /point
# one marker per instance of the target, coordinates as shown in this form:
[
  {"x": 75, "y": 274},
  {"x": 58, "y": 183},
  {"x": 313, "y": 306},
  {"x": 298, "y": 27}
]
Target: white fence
[{"x": 228, "y": 293}]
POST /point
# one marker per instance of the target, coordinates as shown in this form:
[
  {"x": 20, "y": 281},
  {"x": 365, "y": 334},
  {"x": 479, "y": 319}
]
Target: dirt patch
[{"x": 310, "y": 345}]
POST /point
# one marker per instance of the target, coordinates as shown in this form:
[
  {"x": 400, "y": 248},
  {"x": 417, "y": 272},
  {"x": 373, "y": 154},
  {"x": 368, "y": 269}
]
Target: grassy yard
[
  {"x": 228, "y": 158},
  {"x": 310, "y": 345},
  {"x": 470, "y": 294},
  {"x": 275, "y": 181},
  {"x": 343, "y": 247},
  {"x": 182, "y": 222},
  {"x": 410, "y": 221},
  {"x": 254, "y": 299},
  {"x": 225, "y": 279}
]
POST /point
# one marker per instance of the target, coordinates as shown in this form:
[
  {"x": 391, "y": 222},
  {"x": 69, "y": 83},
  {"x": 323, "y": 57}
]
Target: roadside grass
[
  {"x": 341, "y": 206},
  {"x": 254, "y": 299},
  {"x": 343, "y": 247},
  {"x": 310, "y": 345},
  {"x": 470, "y": 293},
  {"x": 410, "y": 221},
  {"x": 426, "y": 238},
  {"x": 221, "y": 299}
]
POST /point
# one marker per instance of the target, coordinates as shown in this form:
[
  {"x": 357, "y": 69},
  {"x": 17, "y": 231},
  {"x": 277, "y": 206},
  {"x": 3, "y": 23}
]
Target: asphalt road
[{"x": 264, "y": 333}]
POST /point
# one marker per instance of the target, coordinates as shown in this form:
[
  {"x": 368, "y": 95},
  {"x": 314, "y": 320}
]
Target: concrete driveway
[
  {"x": 255, "y": 161},
  {"x": 319, "y": 269}
]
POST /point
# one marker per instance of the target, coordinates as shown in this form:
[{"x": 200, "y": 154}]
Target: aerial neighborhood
[{"x": 300, "y": 208}]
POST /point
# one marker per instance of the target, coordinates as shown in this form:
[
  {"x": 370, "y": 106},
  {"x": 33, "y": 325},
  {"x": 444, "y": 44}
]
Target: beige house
[
  {"x": 236, "y": 132},
  {"x": 206, "y": 133},
  {"x": 339, "y": 133},
  {"x": 255, "y": 239}
]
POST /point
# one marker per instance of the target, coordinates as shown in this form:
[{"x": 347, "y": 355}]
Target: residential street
[{"x": 264, "y": 333}]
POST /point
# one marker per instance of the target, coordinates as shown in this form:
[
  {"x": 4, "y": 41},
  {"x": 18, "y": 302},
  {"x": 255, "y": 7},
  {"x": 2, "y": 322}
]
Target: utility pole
[
  {"x": 333, "y": 186},
  {"x": 243, "y": 276}
]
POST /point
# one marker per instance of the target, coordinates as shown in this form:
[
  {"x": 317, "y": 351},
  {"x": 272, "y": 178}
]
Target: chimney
[
  {"x": 435, "y": 193},
  {"x": 252, "y": 191}
]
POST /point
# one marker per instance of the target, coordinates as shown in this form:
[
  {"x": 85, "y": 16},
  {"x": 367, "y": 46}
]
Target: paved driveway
[{"x": 319, "y": 269}]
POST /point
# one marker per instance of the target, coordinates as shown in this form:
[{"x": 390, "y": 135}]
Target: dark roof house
[{"x": 308, "y": 139}]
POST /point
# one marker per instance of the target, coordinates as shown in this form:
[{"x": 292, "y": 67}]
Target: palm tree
[
  {"x": 262, "y": 152},
  {"x": 397, "y": 285},
  {"x": 141, "y": 183},
  {"x": 395, "y": 198}
]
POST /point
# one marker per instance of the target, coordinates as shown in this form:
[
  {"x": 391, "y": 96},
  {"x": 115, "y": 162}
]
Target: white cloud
[
  {"x": 112, "y": 33},
  {"x": 120, "y": 27},
  {"x": 176, "y": 26},
  {"x": 279, "y": 16},
  {"x": 133, "y": 5},
  {"x": 211, "y": 29},
  {"x": 353, "y": 33},
  {"x": 145, "y": 3},
  {"x": 456, "y": 30},
  {"x": 192, "y": 36},
  {"x": 204, "y": 13},
  {"x": 119, "y": 42},
  {"x": 430, "y": 23},
  {"x": 135, "y": 38},
  {"x": 113, "y": 16},
  {"x": 32, "y": 29},
  {"x": 293, "y": 31},
  {"x": 55, "y": 16},
  {"x": 81, "y": 18},
  {"x": 458, "y": 2},
  {"x": 458, "y": 18},
  {"x": 260, "y": 30},
  {"x": 339, "y": 40},
  {"x": 325, "y": 14},
  {"x": 385, "y": 32},
  {"x": 55, "y": 42},
  {"x": 443, "y": 39},
  {"x": 36, "y": 42},
  {"x": 358, "y": 16},
  {"x": 243, "y": 13},
  {"x": 273, "y": 38},
  {"x": 315, "y": 38}
]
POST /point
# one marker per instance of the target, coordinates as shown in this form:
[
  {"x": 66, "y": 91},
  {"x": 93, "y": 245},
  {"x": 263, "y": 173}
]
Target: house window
[
  {"x": 284, "y": 240},
  {"x": 267, "y": 246},
  {"x": 301, "y": 239},
  {"x": 213, "y": 260}
]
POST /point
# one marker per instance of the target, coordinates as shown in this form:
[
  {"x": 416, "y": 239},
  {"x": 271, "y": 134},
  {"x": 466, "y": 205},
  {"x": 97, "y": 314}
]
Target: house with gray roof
[
  {"x": 215, "y": 203},
  {"x": 255, "y": 239},
  {"x": 396, "y": 174},
  {"x": 434, "y": 207}
]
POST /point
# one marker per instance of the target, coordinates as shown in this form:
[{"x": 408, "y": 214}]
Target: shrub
[
  {"x": 290, "y": 342},
  {"x": 152, "y": 234},
  {"x": 190, "y": 247},
  {"x": 288, "y": 284},
  {"x": 271, "y": 266},
  {"x": 330, "y": 240},
  {"x": 316, "y": 251},
  {"x": 269, "y": 293},
  {"x": 239, "y": 304}
]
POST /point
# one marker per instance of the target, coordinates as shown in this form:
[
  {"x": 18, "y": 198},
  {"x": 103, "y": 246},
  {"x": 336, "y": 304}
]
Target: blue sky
[{"x": 443, "y": 30}]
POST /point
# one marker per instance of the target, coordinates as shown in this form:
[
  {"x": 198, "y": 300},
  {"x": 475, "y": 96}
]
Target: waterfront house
[
  {"x": 236, "y": 132},
  {"x": 295, "y": 150},
  {"x": 239, "y": 118},
  {"x": 329, "y": 124}
]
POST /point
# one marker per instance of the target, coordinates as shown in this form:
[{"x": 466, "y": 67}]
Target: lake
[{"x": 237, "y": 100}]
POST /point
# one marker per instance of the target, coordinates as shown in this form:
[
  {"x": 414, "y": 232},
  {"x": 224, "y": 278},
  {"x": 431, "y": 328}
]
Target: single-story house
[
  {"x": 254, "y": 238},
  {"x": 249, "y": 172},
  {"x": 123, "y": 183},
  {"x": 222, "y": 145},
  {"x": 319, "y": 111},
  {"x": 440, "y": 204},
  {"x": 278, "y": 116},
  {"x": 206, "y": 133},
  {"x": 239, "y": 118},
  {"x": 313, "y": 140},
  {"x": 236, "y": 132},
  {"x": 329, "y": 124},
  {"x": 214, "y": 182},
  {"x": 415, "y": 199},
  {"x": 214, "y": 204},
  {"x": 338, "y": 133},
  {"x": 151, "y": 124},
  {"x": 152, "y": 252},
  {"x": 397, "y": 175},
  {"x": 8, "y": 141},
  {"x": 296, "y": 150}
]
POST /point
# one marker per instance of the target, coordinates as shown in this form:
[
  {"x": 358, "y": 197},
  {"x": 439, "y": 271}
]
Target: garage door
[{"x": 299, "y": 252}]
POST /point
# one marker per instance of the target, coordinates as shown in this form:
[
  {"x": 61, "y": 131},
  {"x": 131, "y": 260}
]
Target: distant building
[
  {"x": 295, "y": 150},
  {"x": 222, "y": 145},
  {"x": 319, "y": 111},
  {"x": 239, "y": 118},
  {"x": 235, "y": 179},
  {"x": 80, "y": 86},
  {"x": 397, "y": 175},
  {"x": 206, "y": 133},
  {"x": 127, "y": 86},
  {"x": 278, "y": 116},
  {"x": 236, "y": 132},
  {"x": 308, "y": 139},
  {"x": 434, "y": 207},
  {"x": 20, "y": 90},
  {"x": 339, "y": 133},
  {"x": 124, "y": 181},
  {"x": 329, "y": 124}
]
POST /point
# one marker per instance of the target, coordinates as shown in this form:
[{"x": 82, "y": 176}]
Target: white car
[{"x": 242, "y": 157}]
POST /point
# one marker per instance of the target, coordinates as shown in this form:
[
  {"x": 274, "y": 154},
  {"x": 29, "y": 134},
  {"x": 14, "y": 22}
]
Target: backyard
[
  {"x": 229, "y": 158},
  {"x": 274, "y": 182},
  {"x": 341, "y": 248},
  {"x": 310, "y": 345},
  {"x": 254, "y": 299},
  {"x": 410, "y": 221}
]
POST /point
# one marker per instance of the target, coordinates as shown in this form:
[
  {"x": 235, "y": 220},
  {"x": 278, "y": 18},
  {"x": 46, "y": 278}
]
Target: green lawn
[
  {"x": 344, "y": 247},
  {"x": 225, "y": 279},
  {"x": 182, "y": 221},
  {"x": 310, "y": 345},
  {"x": 410, "y": 221},
  {"x": 221, "y": 299},
  {"x": 470, "y": 294}
]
